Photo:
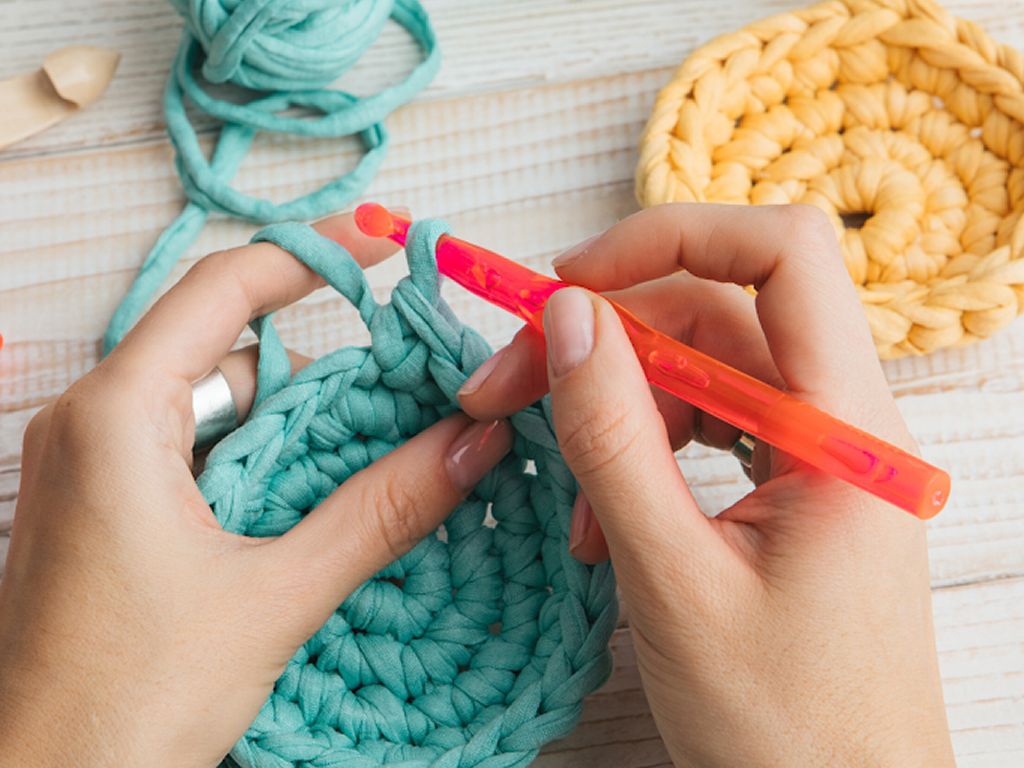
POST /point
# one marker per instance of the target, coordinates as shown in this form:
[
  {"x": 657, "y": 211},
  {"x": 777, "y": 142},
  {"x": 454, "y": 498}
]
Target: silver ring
[
  {"x": 743, "y": 449},
  {"x": 214, "y": 409}
]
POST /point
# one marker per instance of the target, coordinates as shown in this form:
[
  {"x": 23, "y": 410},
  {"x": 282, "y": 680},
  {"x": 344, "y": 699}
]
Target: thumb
[
  {"x": 615, "y": 442},
  {"x": 378, "y": 515}
]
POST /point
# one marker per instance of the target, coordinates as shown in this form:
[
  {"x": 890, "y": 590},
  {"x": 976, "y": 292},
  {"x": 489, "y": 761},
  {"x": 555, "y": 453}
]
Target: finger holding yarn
[
  {"x": 900, "y": 121},
  {"x": 288, "y": 51},
  {"x": 478, "y": 646}
]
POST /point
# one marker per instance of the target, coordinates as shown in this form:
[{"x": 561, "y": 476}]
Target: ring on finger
[
  {"x": 214, "y": 408},
  {"x": 743, "y": 449}
]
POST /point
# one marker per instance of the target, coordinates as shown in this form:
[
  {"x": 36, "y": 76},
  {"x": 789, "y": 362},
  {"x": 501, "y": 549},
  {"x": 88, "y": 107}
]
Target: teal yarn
[
  {"x": 478, "y": 646},
  {"x": 288, "y": 51}
]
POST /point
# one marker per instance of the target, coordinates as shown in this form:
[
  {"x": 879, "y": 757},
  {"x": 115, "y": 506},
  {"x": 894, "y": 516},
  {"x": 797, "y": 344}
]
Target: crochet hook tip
[{"x": 375, "y": 220}]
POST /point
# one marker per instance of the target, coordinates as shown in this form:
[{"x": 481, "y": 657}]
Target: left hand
[{"x": 133, "y": 629}]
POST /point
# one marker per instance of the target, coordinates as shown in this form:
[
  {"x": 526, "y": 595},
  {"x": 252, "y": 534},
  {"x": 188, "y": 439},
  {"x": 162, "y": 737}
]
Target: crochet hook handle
[{"x": 789, "y": 424}]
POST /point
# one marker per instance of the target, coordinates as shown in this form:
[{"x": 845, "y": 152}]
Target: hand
[
  {"x": 133, "y": 629},
  {"x": 795, "y": 627}
]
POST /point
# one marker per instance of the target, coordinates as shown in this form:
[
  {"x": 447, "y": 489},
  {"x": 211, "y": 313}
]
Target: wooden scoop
[{"x": 71, "y": 78}]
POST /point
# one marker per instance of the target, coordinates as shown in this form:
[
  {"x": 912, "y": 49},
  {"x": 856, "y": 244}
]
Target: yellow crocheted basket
[{"x": 894, "y": 113}]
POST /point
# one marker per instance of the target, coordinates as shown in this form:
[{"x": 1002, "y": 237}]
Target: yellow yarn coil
[{"x": 890, "y": 108}]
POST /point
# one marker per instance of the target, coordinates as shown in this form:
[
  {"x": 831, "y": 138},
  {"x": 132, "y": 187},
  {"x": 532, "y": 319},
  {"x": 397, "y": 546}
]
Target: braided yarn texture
[
  {"x": 287, "y": 52},
  {"x": 891, "y": 111},
  {"x": 476, "y": 647}
]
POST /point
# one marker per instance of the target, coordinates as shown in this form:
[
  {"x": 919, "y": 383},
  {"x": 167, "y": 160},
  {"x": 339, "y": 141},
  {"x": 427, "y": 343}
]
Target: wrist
[
  {"x": 914, "y": 740},
  {"x": 53, "y": 714},
  {"x": 43, "y": 724}
]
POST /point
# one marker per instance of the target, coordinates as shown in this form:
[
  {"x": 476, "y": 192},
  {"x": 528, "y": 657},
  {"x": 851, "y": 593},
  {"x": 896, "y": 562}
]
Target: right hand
[{"x": 795, "y": 628}]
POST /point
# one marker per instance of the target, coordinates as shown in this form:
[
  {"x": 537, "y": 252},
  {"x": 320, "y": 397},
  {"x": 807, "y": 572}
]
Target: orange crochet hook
[{"x": 789, "y": 424}]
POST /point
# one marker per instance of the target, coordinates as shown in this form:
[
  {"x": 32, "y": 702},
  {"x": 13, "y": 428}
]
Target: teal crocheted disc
[{"x": 476, "y": 647}]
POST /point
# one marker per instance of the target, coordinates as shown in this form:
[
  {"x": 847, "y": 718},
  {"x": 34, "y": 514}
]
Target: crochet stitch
[
  {"x": 289, "y": 50},
  {"x": 891, "y": 108},
  {"x": 478, "y": 646}
]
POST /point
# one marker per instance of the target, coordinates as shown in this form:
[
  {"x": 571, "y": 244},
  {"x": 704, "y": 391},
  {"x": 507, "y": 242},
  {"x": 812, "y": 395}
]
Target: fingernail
[
  {"x": 569, "y": 328},
  {"x": 475, "y": 451},
  {"x": 581, "y": 523},
  {"x": 480, "y": 375},
  {"x": 570, "y": 255}
]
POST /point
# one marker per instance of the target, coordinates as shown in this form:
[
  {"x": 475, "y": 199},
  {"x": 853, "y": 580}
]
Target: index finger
[
  {"x": 806, "y": 302},
  {"x": 196, "y": 322}
]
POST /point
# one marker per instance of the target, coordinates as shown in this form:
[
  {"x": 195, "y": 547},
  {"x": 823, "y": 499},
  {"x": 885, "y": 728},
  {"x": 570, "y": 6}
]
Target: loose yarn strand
[{"x": 290, "y": 49}]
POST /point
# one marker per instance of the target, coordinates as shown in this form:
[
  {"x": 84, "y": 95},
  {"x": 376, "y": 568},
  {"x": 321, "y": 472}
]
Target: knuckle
[
  {"x": 74, "y": 416},
  {"x": 207, "y": 267},
  {"x": 392, "y": 506},
  {"x": 88, "y": 409},
  {"x": 212, "y": 263},
  {"x": 803, "y": 222},
  {"x": 35, "y": 430},
  {"x": 591, "y": 444},
  {"x": 223, "y": 268}
]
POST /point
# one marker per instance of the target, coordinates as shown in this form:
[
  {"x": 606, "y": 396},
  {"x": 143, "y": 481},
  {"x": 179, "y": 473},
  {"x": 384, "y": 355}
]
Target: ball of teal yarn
[
  {"x": 478, "y": 646},
  {"x": 275, "y": 45},
  {"x": 288, "y": 51}
]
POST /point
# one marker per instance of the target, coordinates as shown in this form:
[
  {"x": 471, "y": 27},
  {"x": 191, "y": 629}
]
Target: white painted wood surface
[{"x": 525, "y": 142}]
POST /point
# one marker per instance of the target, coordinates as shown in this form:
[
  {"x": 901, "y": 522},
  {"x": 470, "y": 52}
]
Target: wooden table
[{"x": 526, "y": 142}]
